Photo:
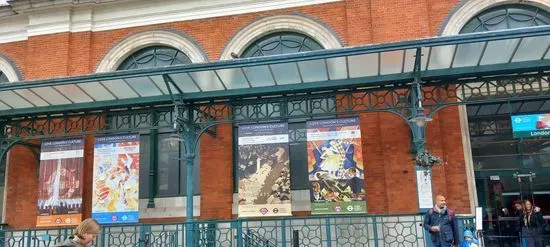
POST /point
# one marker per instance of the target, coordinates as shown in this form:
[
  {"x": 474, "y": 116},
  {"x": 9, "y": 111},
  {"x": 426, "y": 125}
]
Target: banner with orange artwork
[
  {"x": 115, "y": 197},
  {"x": 335, "y": 166},
  {"x": 60, "y": 182}
]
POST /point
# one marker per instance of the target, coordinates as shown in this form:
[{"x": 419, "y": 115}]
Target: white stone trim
[
  {"x": 473, "y": 7},
  {"x": 133, "y": 43},
  {"x": 468, "y": 159},
  {"x": 279, "y": 23},
  {"x": 103, "y": 15},
  {"x": 168, "y": 207},
  {"x": 7, "y": 68}
]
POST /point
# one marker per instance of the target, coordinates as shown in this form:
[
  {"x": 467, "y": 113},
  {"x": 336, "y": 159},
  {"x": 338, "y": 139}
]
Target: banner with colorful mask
[
  {"x": 60, "y": 182},
  {"x": 115, "y": 197},
  {"x": 335, "y": 166},
  {"x": 263, "y": 170}
]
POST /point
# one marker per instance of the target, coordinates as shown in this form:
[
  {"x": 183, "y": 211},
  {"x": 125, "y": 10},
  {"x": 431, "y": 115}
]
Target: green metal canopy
[{"x": 460, "y": 56}]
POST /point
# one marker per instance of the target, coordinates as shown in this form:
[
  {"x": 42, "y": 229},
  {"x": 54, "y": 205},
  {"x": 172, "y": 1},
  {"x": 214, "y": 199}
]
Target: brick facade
[{"x": 390, "y": 177}]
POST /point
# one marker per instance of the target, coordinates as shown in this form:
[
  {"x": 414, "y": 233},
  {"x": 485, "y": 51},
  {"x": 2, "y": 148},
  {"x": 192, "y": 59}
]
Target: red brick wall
[
  {"x": 390, "y": 180},
  {"x": 22, "y": 186}
]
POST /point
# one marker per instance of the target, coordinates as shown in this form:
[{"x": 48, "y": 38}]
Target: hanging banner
[
  {"x": 59, "y": 182},
  {"x": 263, "y": 170},
  {"x": 115, "y": 196},
  {"x": 335, "y": 166},
  {"x": 528, "y": 126}
]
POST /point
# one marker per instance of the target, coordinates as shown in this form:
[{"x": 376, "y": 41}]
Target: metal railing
[{"x": 329, "y": 231}]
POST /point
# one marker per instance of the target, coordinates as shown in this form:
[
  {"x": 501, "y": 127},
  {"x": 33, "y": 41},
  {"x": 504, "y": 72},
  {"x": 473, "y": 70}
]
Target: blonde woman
[{"x": 84, "y": 234}]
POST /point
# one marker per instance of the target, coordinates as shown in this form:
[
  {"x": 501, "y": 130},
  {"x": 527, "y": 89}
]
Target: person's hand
[
  {"x": 537, "y": 209},
  {"x": 434, "y": 229}
]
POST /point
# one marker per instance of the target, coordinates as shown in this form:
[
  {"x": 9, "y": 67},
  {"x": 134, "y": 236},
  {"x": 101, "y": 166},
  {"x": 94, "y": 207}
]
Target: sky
[{"x": 3, "y": 2}]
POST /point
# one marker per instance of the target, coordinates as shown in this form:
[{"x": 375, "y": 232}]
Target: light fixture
[
  {"x": 420, "y": 119},
  {"x": 174, "y": 140}
]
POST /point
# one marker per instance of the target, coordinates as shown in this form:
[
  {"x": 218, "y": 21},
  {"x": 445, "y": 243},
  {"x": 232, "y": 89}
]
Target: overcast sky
[{"x": 3, "y": 2}]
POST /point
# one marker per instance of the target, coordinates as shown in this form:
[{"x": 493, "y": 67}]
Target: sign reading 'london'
[{"x": 525, "y": 126}]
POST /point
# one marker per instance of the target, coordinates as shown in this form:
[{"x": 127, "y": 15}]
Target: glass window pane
[
  {"x": 298, "y": 158},
  {"x": 50, "y": 95},
  {"x": 120, "y": 89},
  {"x": 425, "y": 53},
  {"x": 4, "y": 107},
  {"x": 391, "y": 62},
  {"x": 32, "y": 97},
  {"x": 314, "y": 70},
  {"x": 168, "y": 167},
  {"x": 233, "y": 78},
  {"x": 159, "y": 81},
  {"x": 363, "y": 65},
  {"x": 337, "y": 68},
  {"x": 207, "y": 81},
  {"x": 286, "y": 73},
  {"x": 468, "y": 54},
  {"x": 184, "y": 82},
  {"x": 14, "y": 100},
  {"x": 441, "y": 57},
  {"x": 499, "y": 162},
  {"x": 144, "y": 165},
  {"x": 74, "y": 93},
  {"x": 97, "y": 91},
  {"x": 144, "y": 86},
  {"x": 259, "y": 76},
  {"x": 499, "y": 51},
  {"x": 410, "y": 57},
  {"x": 532, "y": 48}
]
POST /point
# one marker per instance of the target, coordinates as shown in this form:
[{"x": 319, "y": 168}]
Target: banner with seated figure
[{"x": 335, "y": 166}]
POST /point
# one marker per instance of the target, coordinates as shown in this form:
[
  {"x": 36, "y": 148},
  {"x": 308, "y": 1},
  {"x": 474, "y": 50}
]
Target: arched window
[
  {"x": 492, "y": 143},
  {"x": 153, "y": 57},
  {"x": 507, "y": 17},
  {"x": 276, "y": 44},
  {"x": 171, "y": 171},
  {"x": 281, "y": 43},
  {"x": 3, "y": 77}
]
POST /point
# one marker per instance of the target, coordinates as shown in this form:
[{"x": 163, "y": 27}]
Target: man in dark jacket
[{"x": 441, "y": 223}]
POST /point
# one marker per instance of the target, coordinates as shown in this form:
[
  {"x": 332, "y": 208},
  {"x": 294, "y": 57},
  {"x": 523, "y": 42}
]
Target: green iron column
[
  {"x": 153, "y": 162},
  {"x": 189, "y": 138}
]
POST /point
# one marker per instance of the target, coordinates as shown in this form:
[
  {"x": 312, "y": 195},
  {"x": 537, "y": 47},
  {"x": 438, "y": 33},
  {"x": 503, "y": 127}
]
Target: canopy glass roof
[{"x": 461, "y": 55}]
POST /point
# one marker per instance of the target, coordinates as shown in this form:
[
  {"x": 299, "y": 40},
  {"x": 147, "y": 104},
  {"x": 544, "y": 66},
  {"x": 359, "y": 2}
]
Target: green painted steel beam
[
  {"x": 287, "y": 58},
  {"x": 165, "y": 99},
  {"x": 299, "y": 88}
]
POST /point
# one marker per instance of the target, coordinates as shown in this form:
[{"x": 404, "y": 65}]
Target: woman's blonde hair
[{"x": 90, "y": 226}]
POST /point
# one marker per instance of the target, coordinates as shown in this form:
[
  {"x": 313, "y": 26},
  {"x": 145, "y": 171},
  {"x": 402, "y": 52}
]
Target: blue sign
[{"x": 534, "y": 125}]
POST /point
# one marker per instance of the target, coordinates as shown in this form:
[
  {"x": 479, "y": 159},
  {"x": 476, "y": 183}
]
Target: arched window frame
[
  {"x": 8, "y": 70},
  {"x": 280, "y": 43},
  {"x": 315, "y": 29},
  {"x": 507, "y": 16},
  {"x": 150, "y": 57},
  {"x": 296, "y": 126},
  {"x": 467, "y": 10},
  {"x": 135, "y": 42},
  {"x": 458, "y": 19},
  {"x": 112, "y": 61}
]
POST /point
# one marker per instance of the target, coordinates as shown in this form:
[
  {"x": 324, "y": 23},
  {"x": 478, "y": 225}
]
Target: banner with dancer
[
  {"x": 263, "y": 170},
  {"x": 335, "y": 166},
  {"x": 59, "y": 182},
  {"x": 115, "y": 195}
]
